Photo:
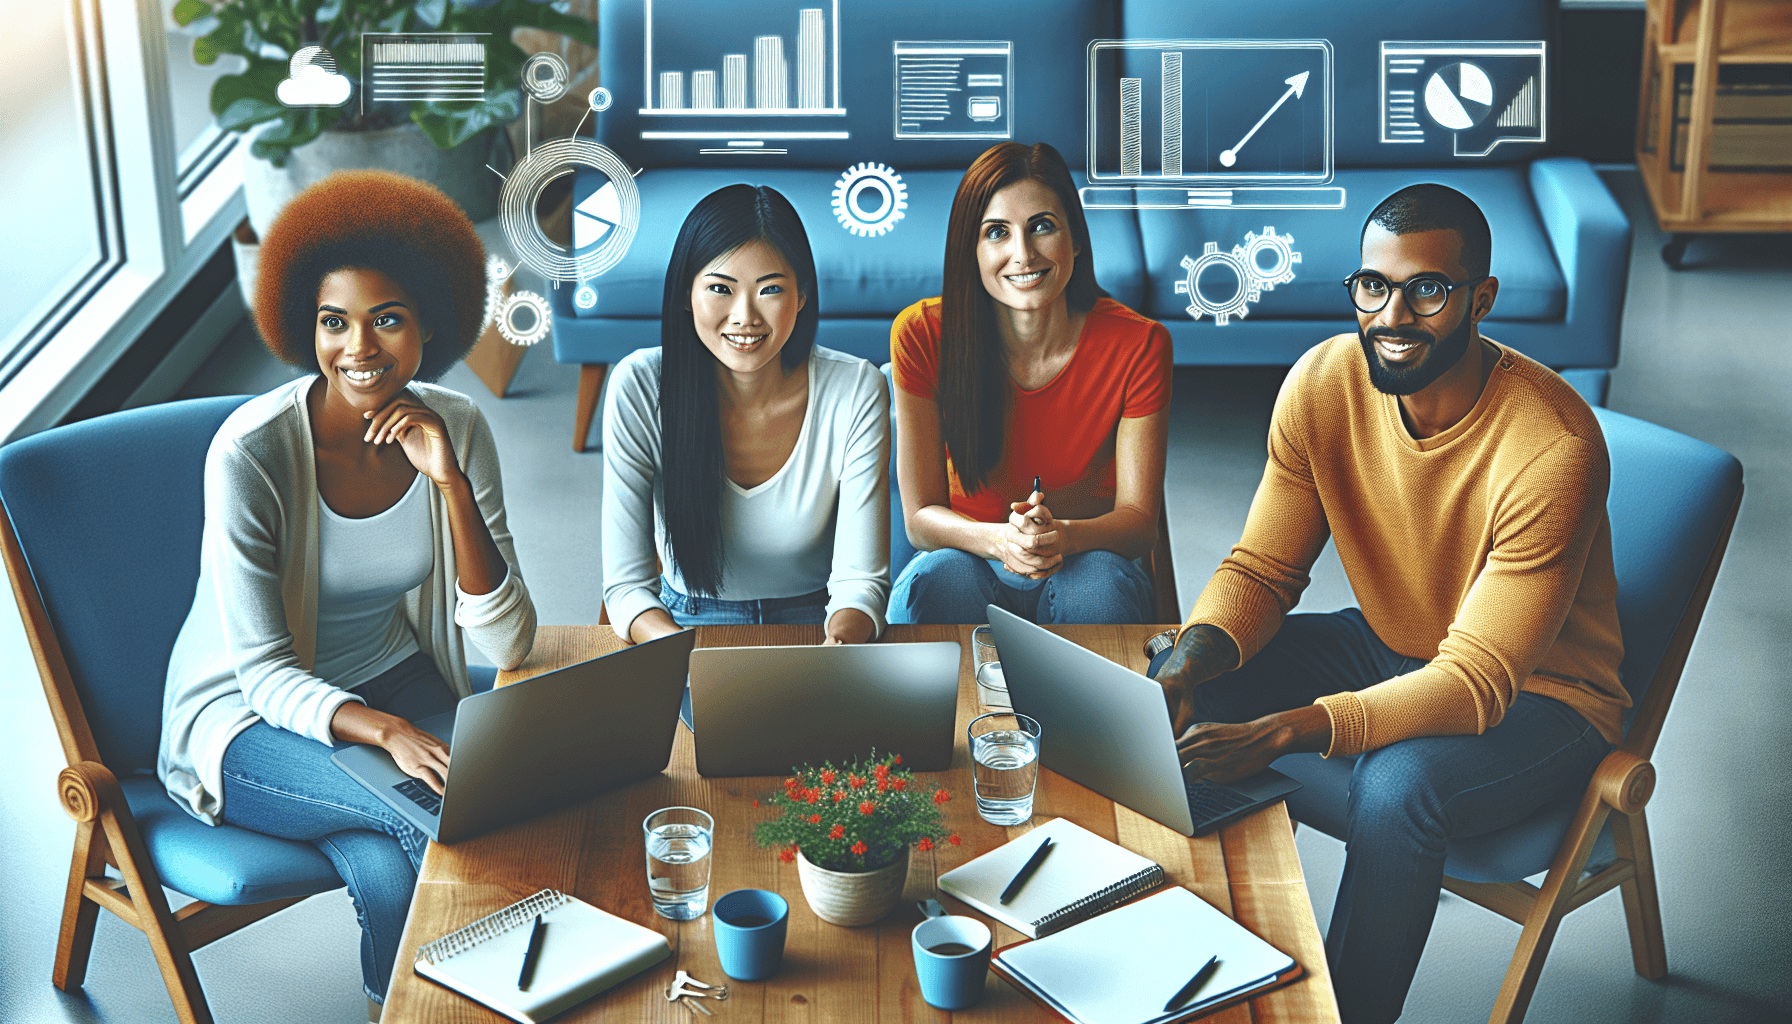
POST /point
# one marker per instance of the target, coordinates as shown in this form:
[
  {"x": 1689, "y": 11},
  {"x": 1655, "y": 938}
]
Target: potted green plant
[
  {"x": 849, "y": 830},
  {"x": 447, "y": 144}
]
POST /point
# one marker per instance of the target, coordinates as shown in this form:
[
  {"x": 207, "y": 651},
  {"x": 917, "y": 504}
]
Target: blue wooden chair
[
  {"x": 1672, "y": 503},
  {"x": 99, "y": 529}
]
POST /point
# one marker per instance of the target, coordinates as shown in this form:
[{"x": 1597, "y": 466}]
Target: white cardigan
[{"x": 246, "y": 649}]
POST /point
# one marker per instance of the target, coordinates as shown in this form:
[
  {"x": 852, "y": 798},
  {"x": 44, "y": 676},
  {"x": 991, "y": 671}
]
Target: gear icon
[
  {"x": 1279, "y": 272},
  {"x": 497, "y": 271},
  {"x": 870, "y": 177},
  {"x": 1236, "y": 306},
  {"x": 544, "y": 318}
]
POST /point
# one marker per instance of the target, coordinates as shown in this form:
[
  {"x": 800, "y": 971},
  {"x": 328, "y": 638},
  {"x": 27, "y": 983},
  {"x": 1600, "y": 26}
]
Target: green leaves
[{"x": 450, "y": 124}]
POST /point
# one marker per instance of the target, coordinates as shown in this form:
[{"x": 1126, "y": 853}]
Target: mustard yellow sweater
[{"x": 1484, "y": 550}]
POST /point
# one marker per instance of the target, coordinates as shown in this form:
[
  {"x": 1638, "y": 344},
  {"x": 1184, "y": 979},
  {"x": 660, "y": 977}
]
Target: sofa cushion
[
  {"x": 859, "y": 276},
  {"x": 1356, "y": 32},
  {"x": 1531, "y": 284},
  {"x": 1046, "y": 95}
]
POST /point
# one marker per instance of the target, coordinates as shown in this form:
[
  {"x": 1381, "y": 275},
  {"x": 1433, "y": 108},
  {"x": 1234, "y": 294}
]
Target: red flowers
[
  {"x": 814, "y": 819},
  {"x": 787, "y": 856},
  {"x": 898, "y": 784},
  {"x": 883, "y": 785},
  {"x": 837, "y": 832},
  {"x": 940, "y": 796},
  {"x": 889, "y": 820},
  {"x": 925, "y": 844},
  {"x": 897, "y": 759},
  {"x": 867, "y": 808},
  {"x": 882, "y": 771},
  {"x": 814, "y": 795},
  {"x": 839, "y": 796},
  {"x": 827, "y": 776},
  {"x": 755, "y": 803},
  {"x": 855, "y": 781},
  {"x": 953, "y": 839},
  {"x": 860, "y": 848}
]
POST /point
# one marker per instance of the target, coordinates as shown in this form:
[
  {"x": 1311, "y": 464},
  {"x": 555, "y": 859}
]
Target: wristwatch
[{"x": 1161, "y": 642}]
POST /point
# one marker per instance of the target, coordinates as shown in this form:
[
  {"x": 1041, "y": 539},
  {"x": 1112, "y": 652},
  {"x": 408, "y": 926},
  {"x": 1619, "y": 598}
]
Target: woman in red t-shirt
[{"x": 1023, "y": 368}]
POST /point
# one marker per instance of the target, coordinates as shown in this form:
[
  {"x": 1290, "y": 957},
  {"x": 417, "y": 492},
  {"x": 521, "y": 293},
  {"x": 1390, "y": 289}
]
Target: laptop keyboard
[
  {"x": 1208, "y": 802},
  {"x": 424, "y": 797}
]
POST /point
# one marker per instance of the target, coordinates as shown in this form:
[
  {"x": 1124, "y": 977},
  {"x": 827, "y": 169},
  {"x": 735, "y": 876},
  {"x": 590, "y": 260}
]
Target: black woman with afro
[{"x": 354, "y": 542}]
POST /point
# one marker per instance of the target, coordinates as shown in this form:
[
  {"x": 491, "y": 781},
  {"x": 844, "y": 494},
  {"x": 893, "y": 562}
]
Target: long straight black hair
[
  {"x": 974, "y": 384},
  {"x": 691, "y": 465}
]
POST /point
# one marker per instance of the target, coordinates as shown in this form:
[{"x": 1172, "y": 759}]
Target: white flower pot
[{"x": 852, "y": 898}]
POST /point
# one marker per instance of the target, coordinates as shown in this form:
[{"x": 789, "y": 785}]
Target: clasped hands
[{"x": 1031, "y": 542}]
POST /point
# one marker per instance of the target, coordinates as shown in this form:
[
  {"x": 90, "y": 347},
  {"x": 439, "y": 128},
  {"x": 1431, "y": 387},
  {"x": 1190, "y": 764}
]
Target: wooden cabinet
[{"x": 1700, "y": 57}]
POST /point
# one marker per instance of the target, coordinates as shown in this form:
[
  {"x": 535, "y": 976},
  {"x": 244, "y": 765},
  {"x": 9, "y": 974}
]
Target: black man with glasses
[{"x": 1464, "y": 486}]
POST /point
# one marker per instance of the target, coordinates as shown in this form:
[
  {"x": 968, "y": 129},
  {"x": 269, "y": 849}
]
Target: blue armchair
[
  {"x": 99, "y": 528},
  {"x": 1672, "y": 503}
]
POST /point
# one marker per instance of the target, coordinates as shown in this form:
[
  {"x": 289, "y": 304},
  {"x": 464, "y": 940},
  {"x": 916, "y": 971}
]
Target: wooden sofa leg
[
  {"x": 79, "y": 914},
  {"x": 591, "y": 384},
  {"x": 1642, "y": 908}
]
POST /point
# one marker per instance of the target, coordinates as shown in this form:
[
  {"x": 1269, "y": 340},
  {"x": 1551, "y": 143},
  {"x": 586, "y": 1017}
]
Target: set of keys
[{"x": 692, "y": 992}]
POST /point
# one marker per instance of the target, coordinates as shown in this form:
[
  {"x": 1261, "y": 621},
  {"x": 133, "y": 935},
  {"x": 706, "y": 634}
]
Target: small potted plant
[{"x": 849, "y": 830}]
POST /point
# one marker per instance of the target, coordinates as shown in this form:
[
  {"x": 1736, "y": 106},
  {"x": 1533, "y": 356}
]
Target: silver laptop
[
  {"x": 538, "y": 745},
  {"x": 764, "y": 710},
  {"x": 1107, "y": 727}
]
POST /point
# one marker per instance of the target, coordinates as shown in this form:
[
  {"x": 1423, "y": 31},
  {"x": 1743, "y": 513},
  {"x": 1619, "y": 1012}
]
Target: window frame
[{"x": 157, "y": 226}]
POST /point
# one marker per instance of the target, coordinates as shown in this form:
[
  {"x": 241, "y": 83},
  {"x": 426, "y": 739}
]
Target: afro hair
[{"x": 372, "y": 220}]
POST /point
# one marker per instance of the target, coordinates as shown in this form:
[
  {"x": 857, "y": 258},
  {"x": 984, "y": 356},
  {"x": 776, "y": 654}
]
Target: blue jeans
[
  {"x": 953, "y": 586},
  {"x": 282, "y": 784},
  {"x": 1408, "y": 799},
  {"x": 770, "y": 611}
]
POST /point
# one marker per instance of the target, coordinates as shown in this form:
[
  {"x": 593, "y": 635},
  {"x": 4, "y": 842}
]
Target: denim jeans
[
  {"x": 953, "y": 586},
  {"x": 770, "y": 611},
  {"x": 282, "y": 784},
  {"x": 1408, "y": 799}
]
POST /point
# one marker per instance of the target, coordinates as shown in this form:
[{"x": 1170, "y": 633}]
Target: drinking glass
[
  {"x": 1004, "y": 766},
  {"x": 678, "y": 844},
  {"x": 992, "y": 685}
]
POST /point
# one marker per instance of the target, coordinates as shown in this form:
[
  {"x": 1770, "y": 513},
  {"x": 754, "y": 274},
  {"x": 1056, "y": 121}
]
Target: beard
[{"x": 1444, "y": 354}]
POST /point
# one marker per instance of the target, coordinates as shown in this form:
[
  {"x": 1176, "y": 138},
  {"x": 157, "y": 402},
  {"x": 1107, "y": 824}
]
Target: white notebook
[
  {"x": 583, "y": 951},
  {"x": 1082, "y": 876},
  {"x": 1121, "y": 968}
]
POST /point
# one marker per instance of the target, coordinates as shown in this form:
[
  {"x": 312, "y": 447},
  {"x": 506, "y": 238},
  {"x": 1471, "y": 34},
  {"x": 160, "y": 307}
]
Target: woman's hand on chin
[{"x": 419, "y": 432}]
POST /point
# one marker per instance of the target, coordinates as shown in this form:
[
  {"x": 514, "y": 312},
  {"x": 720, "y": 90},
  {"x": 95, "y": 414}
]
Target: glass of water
[
  {"x": 1005, "y": 766},
  {"x": 678, "y": 843},
  {"x": 992, "y": 685}
]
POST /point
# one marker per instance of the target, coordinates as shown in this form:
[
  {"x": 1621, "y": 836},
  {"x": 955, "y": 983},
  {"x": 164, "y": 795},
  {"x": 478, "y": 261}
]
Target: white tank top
[{"x": 365, "y": 567}]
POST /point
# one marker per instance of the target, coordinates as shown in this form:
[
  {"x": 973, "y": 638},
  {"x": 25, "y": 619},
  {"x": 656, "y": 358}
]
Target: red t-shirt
[{"x": 1063, "y": 432}]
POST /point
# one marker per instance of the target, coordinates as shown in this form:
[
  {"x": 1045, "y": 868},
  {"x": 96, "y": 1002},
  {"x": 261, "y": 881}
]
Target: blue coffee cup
[
  {"x": 750, "y": 929},
  {"x": 951, "y": 959}
]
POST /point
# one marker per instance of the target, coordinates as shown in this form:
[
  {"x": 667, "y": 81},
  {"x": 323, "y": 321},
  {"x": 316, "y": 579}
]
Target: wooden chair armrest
[
  {"x": 1625, "y": 781},
  {"x": 88, "y": 789}
]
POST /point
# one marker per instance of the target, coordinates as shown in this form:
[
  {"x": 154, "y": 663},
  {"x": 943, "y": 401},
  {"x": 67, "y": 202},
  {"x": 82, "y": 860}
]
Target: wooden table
[{"x": 594, "y": 851}]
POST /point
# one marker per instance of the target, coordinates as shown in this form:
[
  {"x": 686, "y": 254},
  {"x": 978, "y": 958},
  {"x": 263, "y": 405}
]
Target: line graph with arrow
[{"x": 1217, "y": 113}]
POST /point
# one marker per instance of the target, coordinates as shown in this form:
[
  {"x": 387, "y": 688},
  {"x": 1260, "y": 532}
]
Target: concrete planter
[
  {"x": 851, "y": 899},
  {"x": 460, "y": 172}
]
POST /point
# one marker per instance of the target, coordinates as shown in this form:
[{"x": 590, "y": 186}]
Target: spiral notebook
[
  {"x": 1081, "y": 877},
  {"x": 583, "y": 952}
]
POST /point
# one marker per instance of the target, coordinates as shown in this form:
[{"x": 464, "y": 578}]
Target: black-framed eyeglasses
[{"x": 1426, "y": 294}]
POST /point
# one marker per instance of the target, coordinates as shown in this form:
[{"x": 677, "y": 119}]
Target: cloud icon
[{"x": 314, "y": 81}]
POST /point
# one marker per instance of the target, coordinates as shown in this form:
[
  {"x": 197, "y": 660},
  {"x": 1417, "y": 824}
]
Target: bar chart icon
[
  {"x": 1220, "y": 113},
  {"x": 748, "y": 59}
]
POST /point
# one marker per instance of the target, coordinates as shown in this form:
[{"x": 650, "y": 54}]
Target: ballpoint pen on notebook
[
  {"x": 1026, "y": 870},
  {"x": 531, "y": 955},
  {"x": 1187, "y": 992}
]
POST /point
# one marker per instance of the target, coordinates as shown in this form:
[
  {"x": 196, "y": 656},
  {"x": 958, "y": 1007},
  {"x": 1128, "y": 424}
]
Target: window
[{"x": 114, "y": 189}]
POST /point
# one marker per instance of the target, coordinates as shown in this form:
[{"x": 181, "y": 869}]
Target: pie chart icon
[
  {"x": 596, "y": 217},
  {"x": 1458, "y": 96}
]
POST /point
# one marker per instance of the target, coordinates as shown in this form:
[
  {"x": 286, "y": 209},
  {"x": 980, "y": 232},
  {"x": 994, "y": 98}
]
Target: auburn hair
[
  {"x": 372, "y": 220},
  {"x": 974, "y": 385}
]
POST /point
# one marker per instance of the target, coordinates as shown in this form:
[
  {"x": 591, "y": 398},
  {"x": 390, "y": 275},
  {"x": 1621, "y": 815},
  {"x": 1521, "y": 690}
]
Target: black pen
[
  {"x": 532, "y": 954},
  {"x": 1194, "y": 984},
  {"x": 1026, "y": 870},
  {"x": 1041, "y": 494}
]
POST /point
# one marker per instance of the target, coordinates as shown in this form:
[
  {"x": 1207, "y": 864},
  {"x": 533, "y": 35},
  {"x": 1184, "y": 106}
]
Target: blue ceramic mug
[
  {"x": 951, "y": 959},
  {"x": 750, "y": 929}
]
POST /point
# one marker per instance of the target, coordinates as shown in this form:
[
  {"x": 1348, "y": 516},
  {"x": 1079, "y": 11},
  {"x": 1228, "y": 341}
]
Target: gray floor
[{"x": 1704, "y": 352}]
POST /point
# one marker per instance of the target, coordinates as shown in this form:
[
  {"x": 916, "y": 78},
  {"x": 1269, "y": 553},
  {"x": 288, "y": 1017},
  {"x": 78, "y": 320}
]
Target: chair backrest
[
  {"x": 1671, "y": 502},
  {"x": 108, "y": 513}
]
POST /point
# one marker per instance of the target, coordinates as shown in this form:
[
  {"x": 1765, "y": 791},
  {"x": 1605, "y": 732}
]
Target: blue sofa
[{"x": 1561, "y": 243}]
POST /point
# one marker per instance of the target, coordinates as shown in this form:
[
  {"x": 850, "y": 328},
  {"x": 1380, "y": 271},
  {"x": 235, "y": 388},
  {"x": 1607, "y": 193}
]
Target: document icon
[{"x": 954, "y": 90}]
